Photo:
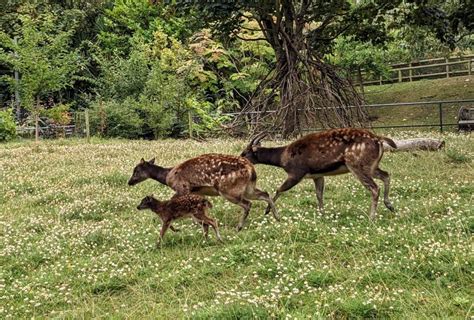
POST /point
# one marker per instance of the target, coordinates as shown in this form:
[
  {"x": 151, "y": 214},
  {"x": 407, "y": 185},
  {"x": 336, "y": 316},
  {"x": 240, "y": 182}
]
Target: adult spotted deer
[
  {"x": 232, "y": 177},
  {"x": 328, "y": 153}
]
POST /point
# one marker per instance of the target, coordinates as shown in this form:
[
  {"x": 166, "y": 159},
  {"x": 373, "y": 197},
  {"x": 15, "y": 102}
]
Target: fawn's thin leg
[
  {"x": 164, "y": 227},
  {"x": 319, "y": 184},
  {"x": 213, "y": 224},
  {"x": 174, "y": 229}
]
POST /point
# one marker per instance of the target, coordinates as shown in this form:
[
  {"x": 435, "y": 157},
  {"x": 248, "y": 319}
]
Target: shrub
[
  {"x": 121, "y": 119},
  {"x": 7, "y": 125}
]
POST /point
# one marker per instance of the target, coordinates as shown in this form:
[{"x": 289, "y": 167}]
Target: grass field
[
  {"x": 74, "y": 246},
  {"x": 457, "y": 88}
]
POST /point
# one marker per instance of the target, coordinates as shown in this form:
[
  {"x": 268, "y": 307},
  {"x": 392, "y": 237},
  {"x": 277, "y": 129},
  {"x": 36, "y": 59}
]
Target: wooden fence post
[
  {"x": 469, "y": 65},
  {"x": 440, "y": 106},
  {"x": 37, "y": 126},
  {"x": 88, "y": 132},
  {"x": 447, "y": 68},
  {"x": 411, "y": 72},
  {"x": 399, "y": 75}
]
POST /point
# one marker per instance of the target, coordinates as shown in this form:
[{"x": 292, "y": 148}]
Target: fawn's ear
[
  {"x": 152, "y": 161},
  {"x": 142, "y": 161}
]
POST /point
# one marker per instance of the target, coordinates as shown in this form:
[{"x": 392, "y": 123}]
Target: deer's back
[
  {"x": 209, "y": 170},
  {"x": 326, "y": 151}
]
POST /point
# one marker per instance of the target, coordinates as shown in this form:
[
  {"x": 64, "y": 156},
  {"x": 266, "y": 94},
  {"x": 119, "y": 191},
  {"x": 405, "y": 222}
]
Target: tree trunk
[{"x": 426, "y": 144}]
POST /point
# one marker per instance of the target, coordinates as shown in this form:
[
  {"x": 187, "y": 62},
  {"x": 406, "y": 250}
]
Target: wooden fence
[{"x": 429, "y": 68}]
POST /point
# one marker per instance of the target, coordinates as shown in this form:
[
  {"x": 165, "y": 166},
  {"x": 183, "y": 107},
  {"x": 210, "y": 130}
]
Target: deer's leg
[
  {"x": 365, "y": 178},
  {"x": 289, "y": 183},
  {"x": 205, "y": 229},
  {"x": 319, "y": 184},
  {"x": 245, "y": 204},
  {"x": 174, "y": 229},
  {"x": 211, "y": 222},
  {"x": 385, "y": 177},
  {"x": 262, "y": 195},
  {"x": 164, "y": 227}
]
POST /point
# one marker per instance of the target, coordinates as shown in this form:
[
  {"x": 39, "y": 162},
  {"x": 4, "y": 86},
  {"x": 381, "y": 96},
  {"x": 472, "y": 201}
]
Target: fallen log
[{"x": 425, "y": 144}]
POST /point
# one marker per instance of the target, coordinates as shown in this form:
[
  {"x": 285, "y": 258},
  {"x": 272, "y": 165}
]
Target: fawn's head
[
  {"x": 250, "y": 152},
  {"x": 141, "y": 172},
  {"x": 146, "y": 203}
]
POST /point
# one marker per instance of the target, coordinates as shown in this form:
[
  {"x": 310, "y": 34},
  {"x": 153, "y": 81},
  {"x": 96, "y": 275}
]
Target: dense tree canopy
[
  {"x": 146, "y": 68},
  {"x": 304, "y": 86}
]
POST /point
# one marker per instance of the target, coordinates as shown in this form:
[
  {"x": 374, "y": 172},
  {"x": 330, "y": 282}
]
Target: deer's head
[
  {"x": 141, "y": 172},
  {"x": 250, "y": 152},
  {"x": 146, "y": 203}
]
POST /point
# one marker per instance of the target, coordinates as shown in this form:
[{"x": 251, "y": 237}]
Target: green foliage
[
  {"x": 59, "y": 114},
  {"x": 125, "y": 19},
  {"x": 121, "y": 118},
  {"x": 7, "y": 125},
  {"x": 160, "y": 82},
  {"x": 354, "y": 55},
  {"x": 43, "y": 57}
]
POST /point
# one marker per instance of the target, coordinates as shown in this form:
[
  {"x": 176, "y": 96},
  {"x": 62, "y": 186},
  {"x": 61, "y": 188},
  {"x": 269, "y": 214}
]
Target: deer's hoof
[{"x": 389, "y": 206}]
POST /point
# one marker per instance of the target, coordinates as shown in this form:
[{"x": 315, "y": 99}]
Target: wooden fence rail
[{"x": 405, "y": 72}]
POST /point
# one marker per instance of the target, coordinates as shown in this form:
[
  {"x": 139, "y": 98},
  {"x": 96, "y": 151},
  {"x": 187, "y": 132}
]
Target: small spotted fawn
[{"x": 181, "y": 206}]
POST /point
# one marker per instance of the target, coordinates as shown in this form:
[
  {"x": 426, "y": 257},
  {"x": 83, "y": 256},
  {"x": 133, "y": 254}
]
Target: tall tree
[
  {"x": 43, "y": 57},
  {"x": 303, "y": 86}
]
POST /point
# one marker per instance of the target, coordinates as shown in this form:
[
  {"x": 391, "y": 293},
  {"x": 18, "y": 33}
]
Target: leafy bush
[
  {"x": 59, "y": 114},
  {"x": 7, "y": 125},
  {"x": 121, "y": 119}
]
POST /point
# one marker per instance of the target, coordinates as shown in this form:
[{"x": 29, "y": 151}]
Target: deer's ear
[
  {"x": 254, "y": 148},
  {"x": 142, "y": 161},
  {"x": 152, "y": 161}
]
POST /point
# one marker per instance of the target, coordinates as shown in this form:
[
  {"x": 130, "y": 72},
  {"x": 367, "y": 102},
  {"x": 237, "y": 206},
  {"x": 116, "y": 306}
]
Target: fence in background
[
  {"x": 430, "y": 115},
  {"x": 422, "y": 69}
]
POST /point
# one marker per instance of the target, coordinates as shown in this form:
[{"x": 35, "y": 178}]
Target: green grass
[
  {"x": 72, "y": 244},
  {"x": 457, "y": 88}
]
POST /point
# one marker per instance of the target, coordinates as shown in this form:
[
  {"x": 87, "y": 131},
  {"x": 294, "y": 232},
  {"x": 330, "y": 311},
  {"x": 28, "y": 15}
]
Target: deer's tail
[{"x": 389, "y": 141}]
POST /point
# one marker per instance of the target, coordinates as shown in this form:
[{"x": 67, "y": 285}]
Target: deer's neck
[
  {"x": 159, "y": 173},
  {"x": 156, "y": 205},
  {"x": 270, "y": 156}
]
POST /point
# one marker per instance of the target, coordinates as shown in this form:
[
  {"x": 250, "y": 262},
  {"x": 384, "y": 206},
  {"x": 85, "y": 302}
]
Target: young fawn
[{"x": 181, "y": 206}]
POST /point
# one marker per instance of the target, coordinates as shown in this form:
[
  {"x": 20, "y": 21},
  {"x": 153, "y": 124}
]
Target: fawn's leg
[
  {"x": 164, "y": 227},
  {"x": 213, "y": 224},
  {"x": 319, "y": 184},
  {"x": 174, "y": 229}
]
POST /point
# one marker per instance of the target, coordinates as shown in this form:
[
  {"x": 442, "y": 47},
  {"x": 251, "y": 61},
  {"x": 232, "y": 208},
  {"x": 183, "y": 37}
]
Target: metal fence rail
[{"x": 443, "y": 118}]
